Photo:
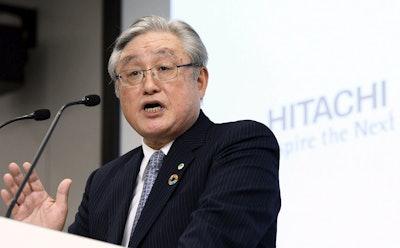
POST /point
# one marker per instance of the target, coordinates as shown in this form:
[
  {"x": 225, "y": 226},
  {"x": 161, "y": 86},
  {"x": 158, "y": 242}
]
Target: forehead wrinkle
[
  {"x": 165, "y": 51},
  {"x": 159, "y": 53}
]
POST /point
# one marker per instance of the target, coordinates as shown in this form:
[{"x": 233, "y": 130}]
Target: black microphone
[
  {"x": 37, "y": 115},
  {"x": 89, "y": 100}
]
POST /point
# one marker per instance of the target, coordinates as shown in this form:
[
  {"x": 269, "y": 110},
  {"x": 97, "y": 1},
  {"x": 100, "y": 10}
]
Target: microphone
[
  {"x": 37, "y": 115},
  {"x": 89, "y": 100}
]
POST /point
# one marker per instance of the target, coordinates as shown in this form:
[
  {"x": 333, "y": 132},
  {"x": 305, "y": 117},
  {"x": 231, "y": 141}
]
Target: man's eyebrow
[{"x": 128, "y": 59}]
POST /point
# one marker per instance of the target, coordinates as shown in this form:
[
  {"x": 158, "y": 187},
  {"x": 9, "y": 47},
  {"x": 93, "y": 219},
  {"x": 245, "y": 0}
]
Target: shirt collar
[{"x": 148, "y": 151}]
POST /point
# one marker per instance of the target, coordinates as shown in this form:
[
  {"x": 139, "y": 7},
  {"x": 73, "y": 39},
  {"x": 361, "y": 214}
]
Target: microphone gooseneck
[
  {"x": 89, "y": 100},
  {"x": 38, "y": 115}
]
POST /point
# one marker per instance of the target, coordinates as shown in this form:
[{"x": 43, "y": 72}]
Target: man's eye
[
  {"x": 133, "y": 74},
  {"x": 164, "y": 68}
]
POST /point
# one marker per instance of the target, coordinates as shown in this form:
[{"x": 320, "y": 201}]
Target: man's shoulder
[
  {"x": 248, "y": 126},
  {"x": 242, "y": 131}
]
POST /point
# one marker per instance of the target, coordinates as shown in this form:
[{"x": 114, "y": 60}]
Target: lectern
[{"x": 17, "y": 234}]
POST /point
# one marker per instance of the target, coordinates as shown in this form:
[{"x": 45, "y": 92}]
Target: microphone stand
[{"x": 42, "y": 146}]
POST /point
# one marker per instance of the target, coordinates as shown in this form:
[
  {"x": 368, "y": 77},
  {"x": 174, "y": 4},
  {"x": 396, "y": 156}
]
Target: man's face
[{"x": 160, "y": 111}]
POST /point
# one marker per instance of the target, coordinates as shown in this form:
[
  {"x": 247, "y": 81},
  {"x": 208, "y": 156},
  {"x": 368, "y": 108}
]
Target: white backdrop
[{"x": 325, "y": 77}]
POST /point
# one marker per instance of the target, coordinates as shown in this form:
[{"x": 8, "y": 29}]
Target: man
[{"x": 218, "y": 183}]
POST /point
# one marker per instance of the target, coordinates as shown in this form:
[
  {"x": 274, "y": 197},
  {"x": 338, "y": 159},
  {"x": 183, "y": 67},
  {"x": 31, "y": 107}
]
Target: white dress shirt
[{"x": 147, "y": 151}]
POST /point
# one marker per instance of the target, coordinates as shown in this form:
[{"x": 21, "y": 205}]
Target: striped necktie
[{"x": 150, "y": 175}]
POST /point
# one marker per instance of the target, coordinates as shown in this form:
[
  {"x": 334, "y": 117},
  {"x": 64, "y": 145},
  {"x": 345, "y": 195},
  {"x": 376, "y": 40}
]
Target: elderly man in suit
[{"x": 192, "y": 183}]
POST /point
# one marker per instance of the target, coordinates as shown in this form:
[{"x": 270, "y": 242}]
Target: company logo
[{"x": 346, "y": 115}]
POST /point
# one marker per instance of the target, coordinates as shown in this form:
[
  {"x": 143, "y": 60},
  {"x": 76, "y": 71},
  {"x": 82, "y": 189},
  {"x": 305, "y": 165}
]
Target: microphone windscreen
[
  {"x": 41, "y": 114},
  {"x": 92, "y": 100}
]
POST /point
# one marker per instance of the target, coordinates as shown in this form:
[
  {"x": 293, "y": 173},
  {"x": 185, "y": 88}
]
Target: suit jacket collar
[
  {"x": 124, "y": 188},
  {"x": 181, "y": 153}
]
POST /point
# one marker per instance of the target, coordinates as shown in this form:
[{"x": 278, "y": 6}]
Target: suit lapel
[
  {"x": 174, "y": 166},
  {"x": 124, "y": 181}
]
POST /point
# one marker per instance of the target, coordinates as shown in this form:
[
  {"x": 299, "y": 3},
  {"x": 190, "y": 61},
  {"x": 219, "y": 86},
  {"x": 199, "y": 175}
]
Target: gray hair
[{"x": 192, "y": 43}]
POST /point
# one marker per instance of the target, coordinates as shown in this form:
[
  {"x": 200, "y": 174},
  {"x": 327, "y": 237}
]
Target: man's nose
[{"x": 149, "y": 82}]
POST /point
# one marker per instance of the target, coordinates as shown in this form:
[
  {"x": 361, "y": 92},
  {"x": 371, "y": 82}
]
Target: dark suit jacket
[{"x": 227, "y": 193}]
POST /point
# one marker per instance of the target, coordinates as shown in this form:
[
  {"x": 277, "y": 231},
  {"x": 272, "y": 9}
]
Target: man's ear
[{"x": 202, "y": 81}]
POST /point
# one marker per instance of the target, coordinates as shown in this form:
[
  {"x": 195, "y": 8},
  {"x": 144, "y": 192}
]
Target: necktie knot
[{"x": 155, "y": 161}]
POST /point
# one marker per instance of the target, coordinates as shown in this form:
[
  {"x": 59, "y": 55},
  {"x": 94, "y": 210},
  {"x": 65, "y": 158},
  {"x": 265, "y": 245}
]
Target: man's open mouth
[{"x": 153, "y": 107}]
